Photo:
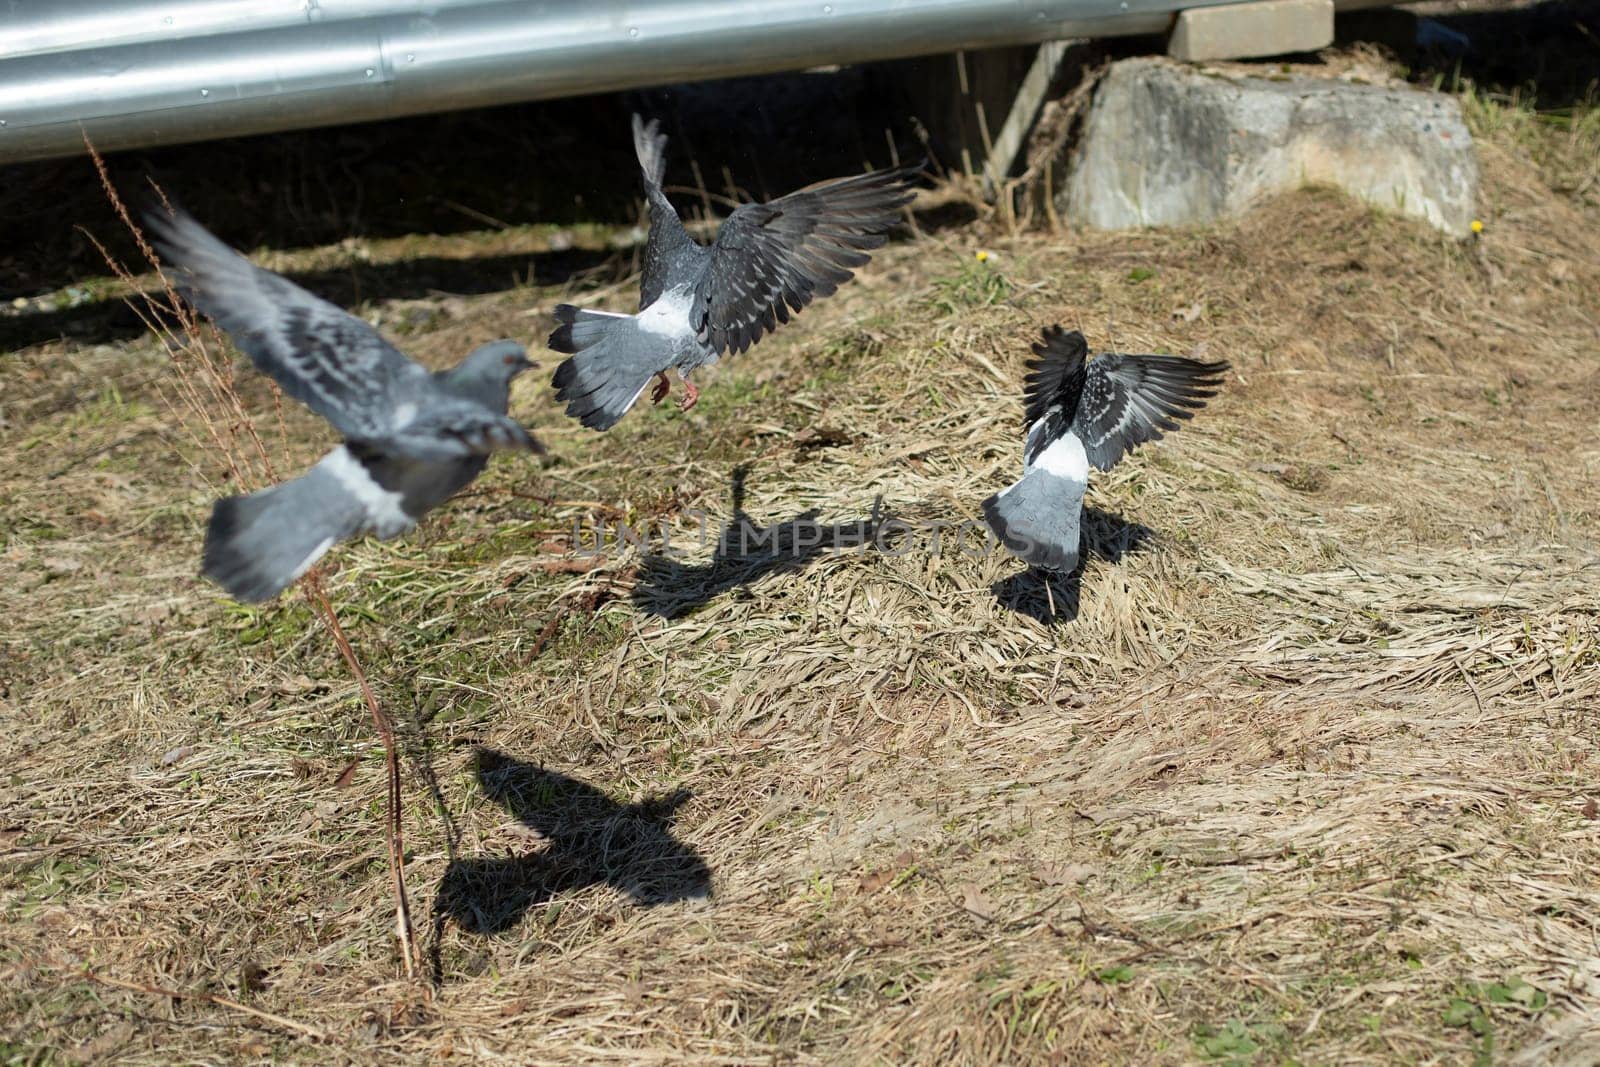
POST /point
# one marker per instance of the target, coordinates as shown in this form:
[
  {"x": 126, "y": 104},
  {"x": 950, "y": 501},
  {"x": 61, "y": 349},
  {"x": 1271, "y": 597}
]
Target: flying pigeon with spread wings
[
  {"x": 1083, "y": 412},
  {"x": 412, "y": 438},
  {"x": 695, "y": 303}
]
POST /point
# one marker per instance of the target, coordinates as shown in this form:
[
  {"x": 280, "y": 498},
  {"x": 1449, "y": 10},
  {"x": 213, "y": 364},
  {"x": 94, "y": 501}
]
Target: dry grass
[{"x": 1306, "y": 772}]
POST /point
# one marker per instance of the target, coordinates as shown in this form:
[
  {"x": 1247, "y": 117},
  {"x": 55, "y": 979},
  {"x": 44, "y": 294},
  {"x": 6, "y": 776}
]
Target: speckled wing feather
[
  {"x": 1127, "y": 400},
  {"x": 322, "y": 356},
  {"x": 771, "y": 260}
]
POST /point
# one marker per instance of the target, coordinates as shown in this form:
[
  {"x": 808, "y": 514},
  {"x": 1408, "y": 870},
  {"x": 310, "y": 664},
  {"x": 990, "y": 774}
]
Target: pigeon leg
[
  {"x": 691, "y": 395},
  {"x": 663, "y": 387}
]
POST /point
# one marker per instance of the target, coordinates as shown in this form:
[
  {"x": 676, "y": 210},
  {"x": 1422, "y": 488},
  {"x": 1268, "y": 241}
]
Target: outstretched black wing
[
  {"x": 1128, "y": 400},
  {"x": 773, "y": 259},
  {"x": 1056, "y": 377}
]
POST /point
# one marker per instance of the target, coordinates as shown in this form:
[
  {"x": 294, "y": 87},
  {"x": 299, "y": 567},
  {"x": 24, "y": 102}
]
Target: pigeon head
[
  {"x": 497, "y": 361},
  {"x": 485, "y": 375}
]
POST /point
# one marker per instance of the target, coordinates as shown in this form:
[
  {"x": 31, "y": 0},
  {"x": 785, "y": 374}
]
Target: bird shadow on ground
[
  {"x": 1053, "y": 598},
  {"x": 745, "y": 552},
  {"x": 587, "y": 839}
]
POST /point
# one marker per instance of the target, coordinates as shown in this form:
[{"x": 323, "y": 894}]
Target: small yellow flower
[
  {"x": 983, "y": 256},
  {"x": 1477, "y": 225}
]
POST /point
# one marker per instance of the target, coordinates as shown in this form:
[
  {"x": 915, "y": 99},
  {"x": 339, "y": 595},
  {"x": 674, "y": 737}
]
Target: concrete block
[
  {"x": 1242, "y": 31},
  {"x": 1169, "y": 145}
]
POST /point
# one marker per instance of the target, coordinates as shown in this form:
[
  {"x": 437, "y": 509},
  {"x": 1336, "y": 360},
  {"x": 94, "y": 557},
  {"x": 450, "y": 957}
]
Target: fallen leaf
[
  {"x": 873, "y": 881},
  {"x": 1064, "y": 873},
  {"x": 523, "y": 832},
  {"x": 820, "y": 437},
  {"x": 298, "y": 684},
  {"x": 973, "y": 900},
  {"x": 1590, "y": 809},
  {"x": 347, "y": 775},
  {"x": 876, "y": 880}
]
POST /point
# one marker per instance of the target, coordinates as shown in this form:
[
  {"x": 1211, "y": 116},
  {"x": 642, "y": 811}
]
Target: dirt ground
[{"x": 1303, "y": 768}]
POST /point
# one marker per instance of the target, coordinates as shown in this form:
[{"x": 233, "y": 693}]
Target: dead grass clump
[{"x": 1302, "y": 768}]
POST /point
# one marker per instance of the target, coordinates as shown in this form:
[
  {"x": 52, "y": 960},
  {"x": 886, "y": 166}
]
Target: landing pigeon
[
  {"x": 768, "y": 261},
  {"x": 1082, "y": 412},
  {"x": 412, "y": 438}
]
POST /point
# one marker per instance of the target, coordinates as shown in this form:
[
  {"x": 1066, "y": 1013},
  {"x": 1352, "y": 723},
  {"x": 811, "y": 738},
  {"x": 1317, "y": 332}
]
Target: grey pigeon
[
  {"x": 1082, "y": 412},
  {"x": 695, "y": 303},
  {"x": 412, "y": 438}
]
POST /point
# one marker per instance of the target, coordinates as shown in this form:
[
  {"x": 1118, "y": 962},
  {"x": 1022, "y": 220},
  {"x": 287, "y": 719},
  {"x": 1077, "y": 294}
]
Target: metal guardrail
[{"x": 136, "y": 73}]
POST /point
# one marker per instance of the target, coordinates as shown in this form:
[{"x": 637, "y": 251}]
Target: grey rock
[{"x": 1170, "y": 145}]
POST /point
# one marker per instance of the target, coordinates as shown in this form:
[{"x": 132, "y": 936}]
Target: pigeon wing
[
  {"x": 1128, "y": 400},
  {"x": 1055, "y": 378},
  {"x": 322, "y": 356},
  {"x": 773, "y": 259},
  {"x": 449, "y": 428}
]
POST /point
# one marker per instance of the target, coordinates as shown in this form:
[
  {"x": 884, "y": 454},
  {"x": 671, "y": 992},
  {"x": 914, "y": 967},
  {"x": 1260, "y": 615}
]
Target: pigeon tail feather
[
  {"x": 650, "y": 145},
  {"x": 1035, "y": 525},
  {"x": 257, "y": 545},
  {"x": 578, "y": 329},
  {"x": 605, "y": 374}
]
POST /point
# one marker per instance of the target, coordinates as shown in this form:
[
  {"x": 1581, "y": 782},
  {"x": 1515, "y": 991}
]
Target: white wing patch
[
  {"x": 384, "y": 513},
  {"x": 1064, "y": 458},
  {"x": 669, "y": 315}
]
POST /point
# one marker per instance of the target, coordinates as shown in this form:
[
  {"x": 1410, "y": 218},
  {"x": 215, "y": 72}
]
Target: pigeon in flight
[
  {"x": 695, "y": 303},
  {"x": 412, "y": 438},
  {"x": 1083, "y": 412}
]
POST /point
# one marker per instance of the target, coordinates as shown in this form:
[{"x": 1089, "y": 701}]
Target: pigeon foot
[
  {"x": 663, "y": 387},
  {"x": 691, "y": 395}
]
